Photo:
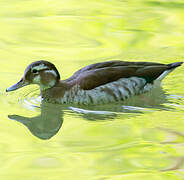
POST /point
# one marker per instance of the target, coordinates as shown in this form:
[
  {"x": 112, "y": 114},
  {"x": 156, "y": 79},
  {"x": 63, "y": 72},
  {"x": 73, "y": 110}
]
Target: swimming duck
[{"x": 98, "y": 83}]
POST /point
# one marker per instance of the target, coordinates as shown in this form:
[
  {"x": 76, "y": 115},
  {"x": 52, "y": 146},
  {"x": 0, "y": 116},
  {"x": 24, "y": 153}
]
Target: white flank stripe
[{"x": 164, "y": 74}]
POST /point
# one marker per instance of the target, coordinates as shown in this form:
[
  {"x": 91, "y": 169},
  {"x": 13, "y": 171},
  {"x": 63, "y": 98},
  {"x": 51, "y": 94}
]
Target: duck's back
[{"x": 114, "y": 80}]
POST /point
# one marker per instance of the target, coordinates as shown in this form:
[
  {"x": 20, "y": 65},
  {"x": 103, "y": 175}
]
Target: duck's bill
[{"x": 18, "y": 85}]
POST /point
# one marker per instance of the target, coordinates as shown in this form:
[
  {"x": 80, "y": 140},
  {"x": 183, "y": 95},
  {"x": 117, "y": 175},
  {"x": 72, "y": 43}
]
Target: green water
[{"x": 138, "y": 139}]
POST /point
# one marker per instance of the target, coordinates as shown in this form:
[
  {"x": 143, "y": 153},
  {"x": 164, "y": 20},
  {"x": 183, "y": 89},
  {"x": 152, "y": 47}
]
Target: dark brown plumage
[
  {"x": 99, "y": 74},
  {"x": 96, "y": 83}
]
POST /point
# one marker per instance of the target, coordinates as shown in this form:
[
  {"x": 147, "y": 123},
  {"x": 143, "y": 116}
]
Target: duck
[{"x": 99, "y": 83}]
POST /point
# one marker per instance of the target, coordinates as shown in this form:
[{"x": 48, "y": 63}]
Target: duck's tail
[
  {"x": 171, "y": 67},
  {"x": 174, "y": 65}
]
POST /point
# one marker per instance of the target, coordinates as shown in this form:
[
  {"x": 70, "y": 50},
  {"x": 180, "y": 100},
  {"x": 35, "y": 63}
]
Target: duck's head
[{"x": 41, "y": 72}]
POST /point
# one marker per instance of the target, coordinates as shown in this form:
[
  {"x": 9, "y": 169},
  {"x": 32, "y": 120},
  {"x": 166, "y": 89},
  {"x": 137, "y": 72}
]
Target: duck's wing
[
  {"x": 99, "y": 74},
  {"x": 107, "y": 64}
]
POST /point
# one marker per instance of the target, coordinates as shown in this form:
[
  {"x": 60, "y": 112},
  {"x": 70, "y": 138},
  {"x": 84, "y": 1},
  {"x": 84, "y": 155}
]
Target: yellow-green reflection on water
[{"x": 139, "y": 139}]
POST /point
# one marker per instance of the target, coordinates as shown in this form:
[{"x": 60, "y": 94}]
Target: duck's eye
[{"x": 34, "y": 71}]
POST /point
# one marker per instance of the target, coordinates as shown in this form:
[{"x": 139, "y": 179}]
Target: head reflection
[{"x": 46, "y": 125}]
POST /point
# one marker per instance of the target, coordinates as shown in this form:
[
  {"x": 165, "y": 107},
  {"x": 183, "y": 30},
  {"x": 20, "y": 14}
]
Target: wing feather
[{"x": 99, "y": 74}]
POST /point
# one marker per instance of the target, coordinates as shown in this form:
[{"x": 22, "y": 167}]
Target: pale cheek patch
[
  {"x": 36, "y": 79},
  {"x": 47, "y": 83},
  {"x": 52, "y": 83}
]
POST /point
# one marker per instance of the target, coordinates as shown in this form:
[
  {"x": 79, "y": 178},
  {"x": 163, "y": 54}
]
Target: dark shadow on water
[{"x": 50, "y": 120}]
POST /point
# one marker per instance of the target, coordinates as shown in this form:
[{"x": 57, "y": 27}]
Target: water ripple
[{"x": 30, "y": 99}]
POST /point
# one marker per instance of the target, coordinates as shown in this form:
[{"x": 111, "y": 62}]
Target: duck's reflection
[{"x": 47, "y": 124}]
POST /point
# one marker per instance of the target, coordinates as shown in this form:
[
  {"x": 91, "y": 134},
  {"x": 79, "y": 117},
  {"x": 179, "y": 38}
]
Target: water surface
[{"x": 137, "y": 139}]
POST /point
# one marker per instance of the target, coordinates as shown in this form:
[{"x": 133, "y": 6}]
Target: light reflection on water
[
  {"x": 125, "y": 131},
  {"x": 115, "y": 129},
  {"x": 140, "y": 138}
]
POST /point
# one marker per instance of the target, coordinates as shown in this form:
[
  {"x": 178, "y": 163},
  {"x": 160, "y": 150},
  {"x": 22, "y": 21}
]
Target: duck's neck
[{"x": 56, "y": 92}]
